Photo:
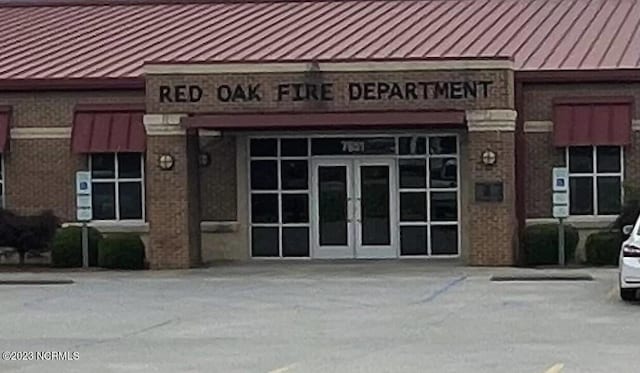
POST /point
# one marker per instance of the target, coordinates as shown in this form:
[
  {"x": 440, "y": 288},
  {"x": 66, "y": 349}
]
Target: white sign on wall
[
  {"x": 560, "y": 187},
  {"x": 560, "y": 179},
  {"x": 560, "y": 198},
  {"x": 560, "y": 211},
  {"x": 84, "y": 211}
]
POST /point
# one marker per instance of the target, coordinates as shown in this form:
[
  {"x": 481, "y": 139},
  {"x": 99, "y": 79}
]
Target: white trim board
[
  {"x": 538, "y": 126},
  {"x": 547, "y": 125},
  {"x": 20, "y": 133},
  {"x": 580, "y": 222},
  {"x": 115, "y": 226}
]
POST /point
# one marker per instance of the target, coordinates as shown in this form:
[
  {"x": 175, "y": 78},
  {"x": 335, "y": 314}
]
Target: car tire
[{"x": 628, "y": 294}]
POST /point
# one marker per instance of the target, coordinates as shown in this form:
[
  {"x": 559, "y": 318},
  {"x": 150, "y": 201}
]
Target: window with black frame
[
  {"x": 428, "y": 189},
  {"x": 279, "y": 181},
  {"x": 117, "y": 183},
  {"x": 595, "y": 179}
]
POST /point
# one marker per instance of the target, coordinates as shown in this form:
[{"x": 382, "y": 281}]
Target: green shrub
[
  {"x": 121, "y": 251},
  {"x": 67, "y": 247},
  {"x": 603, "y": 248},
  {"x": 541, "y": 243}
]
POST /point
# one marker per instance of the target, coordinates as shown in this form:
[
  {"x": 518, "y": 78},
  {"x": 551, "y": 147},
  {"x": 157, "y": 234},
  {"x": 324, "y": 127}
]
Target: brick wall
[
  {"x": 500, "y": 93},
  {"x": 40, "y": 173},
  {"x": 538, "y": 98},
  {"x": 489, "y": 228},
  {"x": 170, "y": 205},
  {"x": 632, "y": 160},
  {"x": 542, "y": 156},
  {"x": 492, "y": 225},
  {"x": 55, "y": 108},
  {"x": 218, "y": 185}
]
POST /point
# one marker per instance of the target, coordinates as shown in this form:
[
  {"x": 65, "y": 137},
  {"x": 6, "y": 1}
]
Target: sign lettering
[
  {"x": 180, "y": 93},
  {"x": 353, "y": 146},
  {"x": 310, "y": 92}
]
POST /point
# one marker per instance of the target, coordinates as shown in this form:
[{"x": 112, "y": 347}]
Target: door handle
[
  {"x": 349, "y": 210},
  {"x": 358, "y": 210}
]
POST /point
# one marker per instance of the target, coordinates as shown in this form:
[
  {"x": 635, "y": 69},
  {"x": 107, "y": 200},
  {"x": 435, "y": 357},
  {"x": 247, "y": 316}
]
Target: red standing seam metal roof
[{"x": 71, "y": 40}]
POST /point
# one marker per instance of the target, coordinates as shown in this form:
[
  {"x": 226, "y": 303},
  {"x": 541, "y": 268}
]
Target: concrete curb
[
  {"x": 36, "y": 282},
  {"x": 543, "y": 277}
]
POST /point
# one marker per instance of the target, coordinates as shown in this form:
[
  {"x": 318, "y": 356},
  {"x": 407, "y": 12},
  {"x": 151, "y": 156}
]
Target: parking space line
[
  {"x": 285, "y": 368},
  {"x": 443, "y": 289},
  {"x": 555, "y": 369}
]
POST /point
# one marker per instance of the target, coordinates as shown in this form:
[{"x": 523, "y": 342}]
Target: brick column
[
  {"x": 172, "y": 195},
  {"x": 492, "y": 233}
]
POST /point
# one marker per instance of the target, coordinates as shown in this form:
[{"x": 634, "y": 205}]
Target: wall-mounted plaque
[{"x": 489, "y": 192}]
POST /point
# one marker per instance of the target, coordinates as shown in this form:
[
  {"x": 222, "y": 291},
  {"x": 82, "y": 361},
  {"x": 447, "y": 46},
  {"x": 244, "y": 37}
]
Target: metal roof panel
[{"x": 90, "y": 40}]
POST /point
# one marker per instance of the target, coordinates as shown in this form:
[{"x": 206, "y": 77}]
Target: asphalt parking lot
[{"x": 407, "y": 316}]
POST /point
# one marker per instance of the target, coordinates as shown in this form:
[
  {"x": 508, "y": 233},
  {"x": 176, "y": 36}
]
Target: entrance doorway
[
  {"x": 353, "y": 208},
  {"x": 337, "y": 196}
]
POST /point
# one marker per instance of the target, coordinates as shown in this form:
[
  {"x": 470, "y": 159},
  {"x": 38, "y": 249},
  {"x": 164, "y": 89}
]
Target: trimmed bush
[
  {"x": 67, "y": 247},
  {"x": 541, "y": 243},
  {"x": 603, "y": 248},
  {"x": 121, "y": 251}
]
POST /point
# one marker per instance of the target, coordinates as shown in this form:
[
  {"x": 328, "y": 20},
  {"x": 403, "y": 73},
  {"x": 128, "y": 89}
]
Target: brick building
[{"x": 329, "y": 129}]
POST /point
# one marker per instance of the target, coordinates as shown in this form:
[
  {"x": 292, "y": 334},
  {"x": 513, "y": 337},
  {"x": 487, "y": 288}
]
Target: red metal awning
[
  {"x": 264, "y": 121},
  {"x": 108, "y": 129},
  {"x": 592, "y": 122}
]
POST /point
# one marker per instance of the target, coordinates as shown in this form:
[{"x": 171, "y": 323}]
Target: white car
[{"x": 629, "y": 262}]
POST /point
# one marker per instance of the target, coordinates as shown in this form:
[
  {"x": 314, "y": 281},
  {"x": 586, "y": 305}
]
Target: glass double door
[{"x": 354, "y": 208}]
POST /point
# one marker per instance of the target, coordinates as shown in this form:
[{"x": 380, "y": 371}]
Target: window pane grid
[
  {"x": 117, "y": 183},
  {"x": 597, "y": 174},
  {"x": 137, "y": 180},
  {"x": 279, "y": 190},
  {"x": 449, "y": 151},
  {"x": 594, "y": 175},
  {"x": 438, "y": 189},
  {"x": 430, "y": 189}
]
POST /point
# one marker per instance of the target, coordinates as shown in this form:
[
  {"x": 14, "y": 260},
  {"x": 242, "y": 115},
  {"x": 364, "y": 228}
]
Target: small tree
[
  {"x": 630, "y": 208},
  {"x": 29, "y": 233}
]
